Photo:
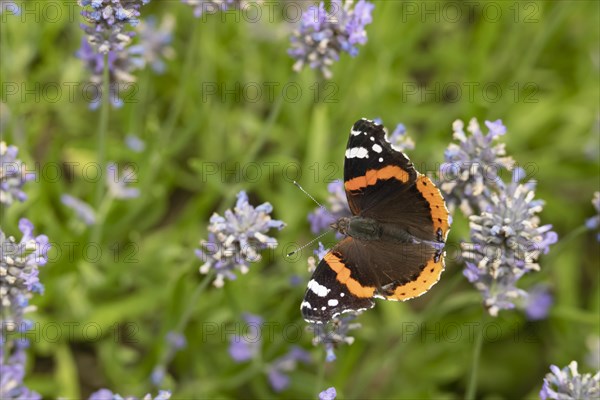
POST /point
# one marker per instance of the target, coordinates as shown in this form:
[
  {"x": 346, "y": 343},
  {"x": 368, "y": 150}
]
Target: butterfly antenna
[
  {"x": 309, "y": 243},
  {"x": 309, "y": 195}
]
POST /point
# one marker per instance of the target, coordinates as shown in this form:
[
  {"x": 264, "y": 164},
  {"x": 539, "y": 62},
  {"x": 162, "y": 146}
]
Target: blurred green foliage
[{"x": 535, "y": 66}]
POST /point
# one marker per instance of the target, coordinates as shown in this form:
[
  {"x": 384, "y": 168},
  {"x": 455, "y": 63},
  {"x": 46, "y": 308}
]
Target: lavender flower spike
[
  {"x": 12, "y": 372},
  {"x": 507, "y": 240},
  {"x": 333, "y": 334},
  {"x": 155, "y": 42},
  {"x": 236, "y": 239},
  {"x": 568, "y": 384},
  {"x": 12, "y": 175},
  {"x": 108, "y": 20},
  {"x": 120, "y": 66},
  {"x": 471, "y": 168},
  {"x": 321, "y": 37},
  {"x": 19, "y": 269}
]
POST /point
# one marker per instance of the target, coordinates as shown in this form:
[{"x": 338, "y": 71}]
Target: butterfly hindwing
[{"x": 330, "y": 293}]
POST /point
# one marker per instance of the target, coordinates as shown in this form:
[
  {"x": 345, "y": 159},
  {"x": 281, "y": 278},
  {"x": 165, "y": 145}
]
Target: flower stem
[
  {"x": 186, "y": 315},
  {"x": 100, "y": 201},
  {"x": 193, "y": 301},
  {"x": 101, "y": 213},
  {"x": 102, "y": 127},
  {"x": 320, "y": 374},
  {"x": 472, "y": 388},
  {"x": 184, "y": 85},
  {"x": 265, "y": 132}
]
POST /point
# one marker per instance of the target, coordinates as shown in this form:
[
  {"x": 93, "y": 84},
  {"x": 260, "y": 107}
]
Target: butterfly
[{"x": 393, "y": 243}]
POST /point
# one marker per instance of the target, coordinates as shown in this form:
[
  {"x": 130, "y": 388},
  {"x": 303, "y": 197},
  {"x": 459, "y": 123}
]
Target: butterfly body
[
  {"x": 366, "y": 229},
  {"x": 393, "y": 245}
]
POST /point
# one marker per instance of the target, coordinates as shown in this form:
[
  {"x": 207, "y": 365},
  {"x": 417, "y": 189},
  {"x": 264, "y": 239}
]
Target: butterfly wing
[
  {"x": 341, "y": 283},
  {"x": 355, "y": 271},
  {"x": 381, "y": 183}
]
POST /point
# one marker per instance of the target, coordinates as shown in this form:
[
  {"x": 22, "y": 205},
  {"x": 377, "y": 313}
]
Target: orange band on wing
[
  {"x": 373, "y": 175},
  {"x": 437, "y": 206},
  {"x": 426, "y": 279},
  {"x": 343, "y": 276}
]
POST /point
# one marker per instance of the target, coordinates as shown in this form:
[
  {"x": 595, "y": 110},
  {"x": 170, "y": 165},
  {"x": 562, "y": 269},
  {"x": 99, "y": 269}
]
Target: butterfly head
[{"x": 341, "y": 225}]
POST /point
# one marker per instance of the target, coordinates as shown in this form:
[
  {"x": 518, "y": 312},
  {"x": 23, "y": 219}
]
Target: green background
[{"x": 535, "y": 66}]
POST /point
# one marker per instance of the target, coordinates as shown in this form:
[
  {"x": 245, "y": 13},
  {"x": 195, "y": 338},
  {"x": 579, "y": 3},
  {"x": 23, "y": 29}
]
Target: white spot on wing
[
  {"x": 372, "y": 138},
  {"x": 332, "y": 303},
  {"x": 342, "y": 294},
  {"x": 305, "y": 304},
  {"x": 380, "y": 159},
  {"x": 318, "y": 289},
  {"x": 377, "y": 148},
  {"x": 357, "y": 152},
  {"x": 355, "y": 133}
]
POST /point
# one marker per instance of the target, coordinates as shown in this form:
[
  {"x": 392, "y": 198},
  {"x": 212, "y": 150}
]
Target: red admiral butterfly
[{"x": 394, "y": 239}]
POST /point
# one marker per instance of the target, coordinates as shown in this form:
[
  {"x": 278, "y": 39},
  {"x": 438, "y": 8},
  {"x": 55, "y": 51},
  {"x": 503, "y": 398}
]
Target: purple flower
[
  {"x": 319, "y": 253},
  {"x": 118, "y": 185},
  {"x": 108, "y": 22},
  {"x": 355, "y": 27},
  {"x": 135, "y": 143},
  {"x": 246, "y": 347},
  {"x": 400, "y": 140},
  {"x": 506, "y": 241},
  {"x": 157, "y": 376},
  {"x": 102, "y": 394},
  {"x": 593, "y": 223},
  {"x": 105, "y": 394},
  {"x": 236, "y": 239},
  {"x": 212, "y": 6},
  {"x": 83, "y": 210},
  {"x": 321, "y": 219},
  {"x": 175, "y": 342},
  {"x": 328, "y": 394},
  {"x": 10, "y": 6},
  {"x": 538, "y": 302},
  {"x": 280, "y": 367},
  {"x": 472, "y": 167},
  {"x": 12, "y": 372},
  {"x": 568, "y": 383},
  {"x": 334, "y": 333},
  {"x": 19, "y": 269},
  {"x": 155, "y": 42},
  {"x": 120, "y": 66},
  {"x": 321, "y": 37},
  {"x": 12, "y": 175}
]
